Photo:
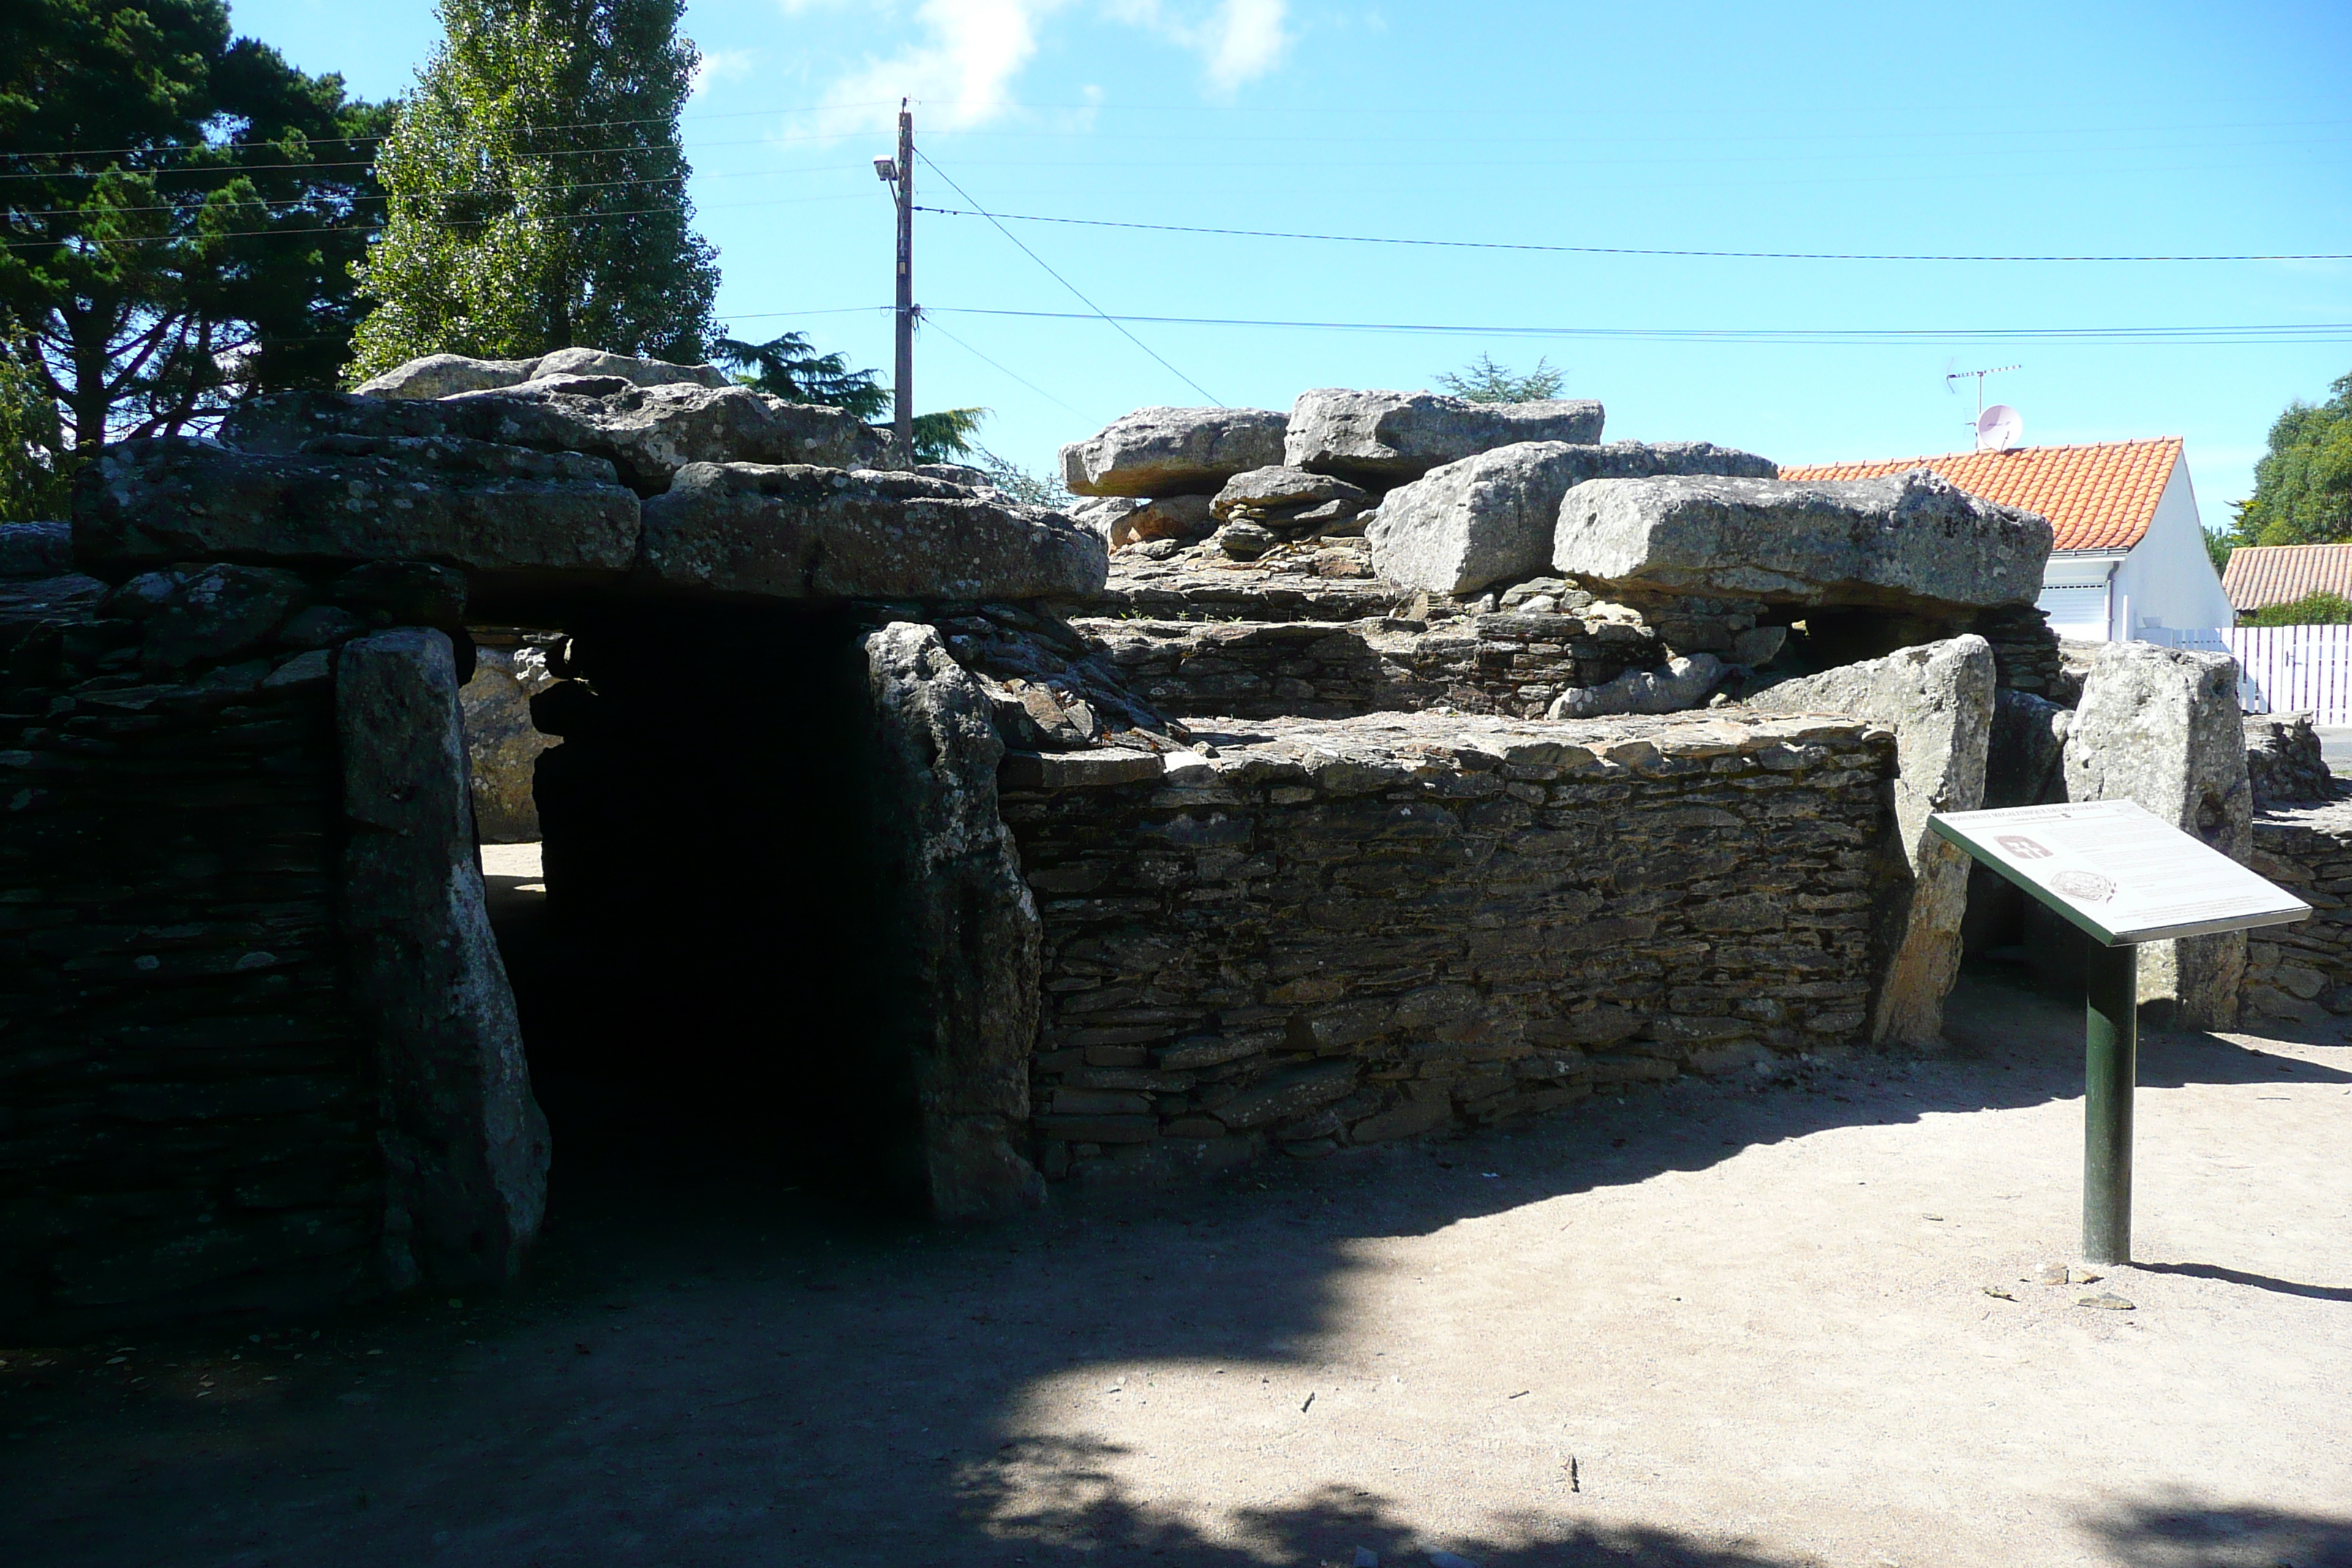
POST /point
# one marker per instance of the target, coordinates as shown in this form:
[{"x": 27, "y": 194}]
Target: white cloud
[
  {"x": 962, "y": 71},
  {"x": 963, "y": 66},
  {"x": 1249, "y": 41},
  {"x": 1241, "y": 40},
  {"x": 720, "y": 64}
]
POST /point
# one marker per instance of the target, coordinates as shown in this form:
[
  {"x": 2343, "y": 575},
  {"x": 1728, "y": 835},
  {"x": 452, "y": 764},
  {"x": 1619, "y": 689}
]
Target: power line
[
  {"x": 371, "y": 226},
  {"x": 475, "y": 191},
  {"x": 184, "y": 147},
  {"x": 985, "y": 359},
  {"x": 2279, "y": 333},
  {"x": 1590, "y": 250},
  {"x": 1073, "y": 287}
]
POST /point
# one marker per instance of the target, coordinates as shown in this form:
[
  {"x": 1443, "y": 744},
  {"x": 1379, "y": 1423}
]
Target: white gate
[{"x": 2282, "y": 669}]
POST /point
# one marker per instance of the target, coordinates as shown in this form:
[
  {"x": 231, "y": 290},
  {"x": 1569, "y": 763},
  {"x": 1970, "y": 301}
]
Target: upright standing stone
[
  {"x": 2162, "y": 726},
  {"x": 1938, "y": 699},
  {"x": 970, "y": 939},
  {"x": 466, "y": 1148}
]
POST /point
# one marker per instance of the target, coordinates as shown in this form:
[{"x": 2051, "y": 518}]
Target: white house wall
[{"x": 2169, "y": 580}]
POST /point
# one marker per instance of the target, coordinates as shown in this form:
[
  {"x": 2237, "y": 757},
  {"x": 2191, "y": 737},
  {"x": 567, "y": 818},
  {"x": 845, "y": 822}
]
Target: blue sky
[{"x": 2068, "y": 129}]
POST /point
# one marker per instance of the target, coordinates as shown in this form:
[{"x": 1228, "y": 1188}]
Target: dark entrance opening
[{"x": 706, "y": 988}]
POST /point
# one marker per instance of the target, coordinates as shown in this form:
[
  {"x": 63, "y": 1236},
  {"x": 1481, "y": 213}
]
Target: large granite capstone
[
  {"x": 1490, "y": 517},
  {"x": 1910, "y": 541},
  {"x": 443, "y": 375},
  {"x": 647, "y": 433},
  {"x": 1383, "y": 439},
  {"x": 557, "y": 517},
  {"x": 1173, "y": 451},
  {"x": 748, "y": 531}
]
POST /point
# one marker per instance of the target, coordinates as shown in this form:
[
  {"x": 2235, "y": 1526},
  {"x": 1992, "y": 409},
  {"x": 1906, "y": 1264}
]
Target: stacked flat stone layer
[
  {"x": 1509, "y": 664},
  {"x": 189, "y": 1127},
  {"x": 2302, "y": 971},
  {"x": 1335, "y": 933}
]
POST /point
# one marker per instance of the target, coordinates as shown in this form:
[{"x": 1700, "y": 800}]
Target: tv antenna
[{"x": 1978, "y": 423}]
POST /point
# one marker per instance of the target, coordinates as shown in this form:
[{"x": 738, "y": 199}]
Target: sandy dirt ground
[{"x": 1739, "y": 1325}]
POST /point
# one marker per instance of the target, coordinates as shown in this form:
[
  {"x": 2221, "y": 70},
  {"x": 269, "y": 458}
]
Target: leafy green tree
[
  {"x": 34, "y": 463},
  {"x": 178, "y": 216},
  {"x": 788, "y": 366},
  {"x": 2217, "y": 545},
  {"x": 2303, "y": 486},
  {"x": 2321, "y": 608},
  {"x": 536, "y": 191},
  {"x": 1484, "y": 381}
]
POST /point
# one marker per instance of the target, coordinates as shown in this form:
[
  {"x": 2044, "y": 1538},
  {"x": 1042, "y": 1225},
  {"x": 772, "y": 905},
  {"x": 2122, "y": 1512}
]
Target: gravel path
[{"x": 1740, "y": 1324}]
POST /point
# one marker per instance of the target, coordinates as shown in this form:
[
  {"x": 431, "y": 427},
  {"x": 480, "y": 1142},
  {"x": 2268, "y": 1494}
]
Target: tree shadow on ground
[
  {"x": 2178, "y": 1530},
  {"x": 705, "y": 1369}
]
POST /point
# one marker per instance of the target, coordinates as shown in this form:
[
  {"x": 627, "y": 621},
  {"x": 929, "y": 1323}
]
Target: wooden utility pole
[{"x": 903, "y": 385}]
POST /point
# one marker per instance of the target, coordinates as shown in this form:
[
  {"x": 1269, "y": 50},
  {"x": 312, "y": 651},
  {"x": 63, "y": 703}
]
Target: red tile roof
[
  {"x": 2260, "y": 575},
  {"x": 2099, "y": 497}
]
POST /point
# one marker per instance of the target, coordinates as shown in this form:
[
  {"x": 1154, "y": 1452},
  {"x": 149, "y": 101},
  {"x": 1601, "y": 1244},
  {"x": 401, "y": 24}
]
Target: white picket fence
[{"x": 2281, "y": 669}]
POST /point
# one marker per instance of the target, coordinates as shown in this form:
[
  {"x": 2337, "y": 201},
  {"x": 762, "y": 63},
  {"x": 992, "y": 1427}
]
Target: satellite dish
[{"x": 1998, "y": 428}]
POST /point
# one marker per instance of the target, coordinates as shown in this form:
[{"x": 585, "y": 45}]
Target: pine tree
[{"x": 536, "y": 191}]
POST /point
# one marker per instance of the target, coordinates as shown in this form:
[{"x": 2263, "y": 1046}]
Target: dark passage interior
[{"x": 707, "y": 986}]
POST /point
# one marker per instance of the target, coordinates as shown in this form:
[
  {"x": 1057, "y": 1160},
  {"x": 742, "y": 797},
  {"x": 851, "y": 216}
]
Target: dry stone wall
[
  {"x": 2303, "y": 972},
  {"x": 1334, "y": 933},
  {"x": 188, "y": 1120}
]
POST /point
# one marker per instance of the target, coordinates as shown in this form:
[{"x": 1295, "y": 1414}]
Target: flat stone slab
[
  {"x": 443, "y": 375},
  {"x": 1330, "y": 582},
  {"x": 1490, "y": 517},
  {"x": 744, "y": 531},
  {"x": 1173, "y": 451},
  {"x": 647, "y": 433},
  {"x": 1379, "y": 751},
  {"x": 1386, "y": 439},
  {"x": 471, "y": 505},
  {"x": 1910, "y": 541}
]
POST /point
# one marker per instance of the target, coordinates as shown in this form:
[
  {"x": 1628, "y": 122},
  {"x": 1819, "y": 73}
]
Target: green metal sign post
[
  {"x": 2123, "y": 876},
  {"x": 2110, "y": 1072}
]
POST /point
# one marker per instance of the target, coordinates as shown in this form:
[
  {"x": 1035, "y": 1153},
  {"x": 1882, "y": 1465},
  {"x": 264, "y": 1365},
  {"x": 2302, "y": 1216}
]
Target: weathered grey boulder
[
  {"x": 1684, "y": 683},
  {"x": 642, "y": 372},
  {"x": 2025, "y": 765},
  {"x": 646, "y": 433},
  {"x": 1938, "y": 699},
  {"x": 2161, "y": 726},
  {"x": 36, "y": 548},
  {"x": 747, "y": 531},
  {"x": 215, "y": 612},
  {"x": 502, "y": 746},
  {"x": 1290, "y": 501},
  {"x": 441, "y": 376},
  {"x": 971, "y": 939},
  {"x": 1912, "y": 542},
  {"x": 445, "y": 376},
  {"x": 1386, "y": 439},
  {"x": 1491, "y": 516},
  {"x": 553, "y": 516},
  {"x": 1137, "y": 520},
  {"x": 466, "y": 1148},
  {"x": 1171, "y": 451}
]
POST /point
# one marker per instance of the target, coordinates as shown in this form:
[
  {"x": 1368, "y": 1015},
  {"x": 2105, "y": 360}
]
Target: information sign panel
[{"x": 2119, "y": 871}]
